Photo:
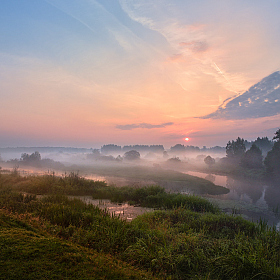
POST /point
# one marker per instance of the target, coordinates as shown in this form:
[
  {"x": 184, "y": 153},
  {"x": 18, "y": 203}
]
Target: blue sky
[{"x": 76, "y": 73}]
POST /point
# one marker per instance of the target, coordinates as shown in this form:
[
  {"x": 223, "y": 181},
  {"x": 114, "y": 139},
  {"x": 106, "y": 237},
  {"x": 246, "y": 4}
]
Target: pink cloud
[{"x": 195, "y": 46}]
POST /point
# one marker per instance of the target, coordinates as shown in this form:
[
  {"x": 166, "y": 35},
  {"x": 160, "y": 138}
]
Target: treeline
[
  {"x": 262, "y": 154},
  {"x": 114, "y": 149},
  {"x": 35, "y": 160},
  {"x": 111, "y": 148}
]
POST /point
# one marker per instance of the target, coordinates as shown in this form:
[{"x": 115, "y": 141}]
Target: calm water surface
[{"x": 252, "y": 199}]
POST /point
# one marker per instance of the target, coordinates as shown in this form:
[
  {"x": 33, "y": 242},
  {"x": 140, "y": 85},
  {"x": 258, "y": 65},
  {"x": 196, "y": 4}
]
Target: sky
[{"x": 84, "y": 73}]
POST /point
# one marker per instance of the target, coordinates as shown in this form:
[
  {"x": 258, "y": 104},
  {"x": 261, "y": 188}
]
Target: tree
[
  {"x": 174, "y": 160},
  {"x": 252, "y": 158},
  {"x": 178, "y": 148},
  {"x": 272, "y": 160},
  {"x": 264, "y": 144},
  {"x": 277, "y": 135},
  {"x": 94, "y": 155},
  {"x": 209, "y": 160},
  {"x": 236, "y": 149},
  {"x": 110, "y": 149},
  {"x": 34, "y": 157},
  {"x": 131, "y": 155}
]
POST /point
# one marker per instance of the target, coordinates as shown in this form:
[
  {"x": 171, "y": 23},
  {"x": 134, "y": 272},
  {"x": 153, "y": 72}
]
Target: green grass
[
  {"x": 60, "y": 238},
  {"x": 154, "y": 197},
  {"x": 69, "y": 184},
  {"x": 30, "y": 253}
]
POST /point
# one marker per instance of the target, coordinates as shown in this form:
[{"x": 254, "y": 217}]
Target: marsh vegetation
[
  {"x": 187, "y": 237},
  {"x": 46, "y": 233}
]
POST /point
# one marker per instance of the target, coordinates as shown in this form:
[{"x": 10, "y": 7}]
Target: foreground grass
[
  {"x": 30, "y": 253},
  {"x": 186, "y": 241}
]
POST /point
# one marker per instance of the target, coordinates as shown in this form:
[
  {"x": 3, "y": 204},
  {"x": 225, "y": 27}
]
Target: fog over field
[{"x": 140, "y": 139}]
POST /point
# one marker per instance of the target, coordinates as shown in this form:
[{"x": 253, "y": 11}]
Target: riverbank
[{"x": 190, "y": 240}]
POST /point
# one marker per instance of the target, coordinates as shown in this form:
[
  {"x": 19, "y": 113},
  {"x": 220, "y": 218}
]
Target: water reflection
[
  {"x": 123, "y": 210},
  {"x": 253, "y": 199}
]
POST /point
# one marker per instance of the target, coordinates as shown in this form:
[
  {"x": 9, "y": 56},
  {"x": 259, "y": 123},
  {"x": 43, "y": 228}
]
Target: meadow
[{"x": 186, "y": 237}]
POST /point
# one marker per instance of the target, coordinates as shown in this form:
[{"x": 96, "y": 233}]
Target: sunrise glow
[{"x": 134, "y": 72}]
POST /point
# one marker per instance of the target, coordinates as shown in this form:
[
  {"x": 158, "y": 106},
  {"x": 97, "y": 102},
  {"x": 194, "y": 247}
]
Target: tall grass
[
  {"x": 68, "y": 184},
  {"x": 155, "y": 197},
  {"x": 174, "y": 244}
]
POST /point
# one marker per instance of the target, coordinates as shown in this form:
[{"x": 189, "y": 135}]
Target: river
[{"x": 252, "y": 199}]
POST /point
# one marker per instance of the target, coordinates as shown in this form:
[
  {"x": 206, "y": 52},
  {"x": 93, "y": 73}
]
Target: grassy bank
[
  {"x": 163, "y": 176},
  {"x": 183, "y": 241},
  {"x": 73, "y": 184},
  {"x": 30, "y": 252}
]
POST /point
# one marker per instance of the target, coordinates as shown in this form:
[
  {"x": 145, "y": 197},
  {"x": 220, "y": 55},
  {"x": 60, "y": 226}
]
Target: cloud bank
[
  {"x": 143, "y": 125},
  {"x": 260, "y": 100}
]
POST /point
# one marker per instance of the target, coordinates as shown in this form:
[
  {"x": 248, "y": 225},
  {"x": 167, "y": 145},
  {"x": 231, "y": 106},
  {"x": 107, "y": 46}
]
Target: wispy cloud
[
  {"x": 195, "y": 46},
  {"x": 143, "y": 125}
]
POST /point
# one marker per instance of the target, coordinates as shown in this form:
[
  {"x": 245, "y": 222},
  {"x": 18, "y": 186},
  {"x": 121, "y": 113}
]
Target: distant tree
[
  {"x": 235, "y": 149},
  {"x": 200, "y": 157},
  {"x": 252, "y": 158},
  {"x": 178, "y": 148},
  {"x": 131, "y": 155},
  {"x": 209, "y": 160},
  {"x": 157, "y": 148},
  {"x": 165, "y": 154},
  {"x": 272, "y": 160},
  {"x": 34, "y": 157},
  {"x": 110, "y": 148},
  {"x": 94, "y": 155},
  {"x": 119, "y": 158},
  {"x": 192, "y": 149},
  {"x": 174, "y": 160},
  {"x": 217, "y": 149},
  {"x": 96, "y": 152},
  {"x": 24, "y": 157}
]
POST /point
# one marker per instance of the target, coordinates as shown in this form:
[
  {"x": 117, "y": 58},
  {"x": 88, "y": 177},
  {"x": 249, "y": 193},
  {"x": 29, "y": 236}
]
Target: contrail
[
  {"x": 215, "y": 66},
  {"x": 71, "y": 15},
  {"x": 220, "y": 71}
]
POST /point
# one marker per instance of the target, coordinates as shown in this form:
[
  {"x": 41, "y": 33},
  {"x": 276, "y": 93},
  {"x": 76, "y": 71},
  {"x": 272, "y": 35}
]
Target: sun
[{"x": 187, "y": 139}]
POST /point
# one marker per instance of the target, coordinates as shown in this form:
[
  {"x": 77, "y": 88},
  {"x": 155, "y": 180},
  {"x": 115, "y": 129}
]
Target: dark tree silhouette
[
  {"x": 264, "y": 144},
  {"x": 131, "y": 155},
  {"x": 110, "y": 148},
  {"x": 209, "y": 160},
  {"x": 277, "y": 135},
  {"x": 174, "y": 160},
  {"x": 252, "y": 158},
  {"x": 272, "y": 160},
  {"x": 31, "y": 158},
  {"x": 178, "y": 148},
  {"x": 235, "y": 149}
]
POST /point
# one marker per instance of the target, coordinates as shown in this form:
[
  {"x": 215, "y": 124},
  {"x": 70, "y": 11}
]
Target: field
[{"x": 186, "y": 237}]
